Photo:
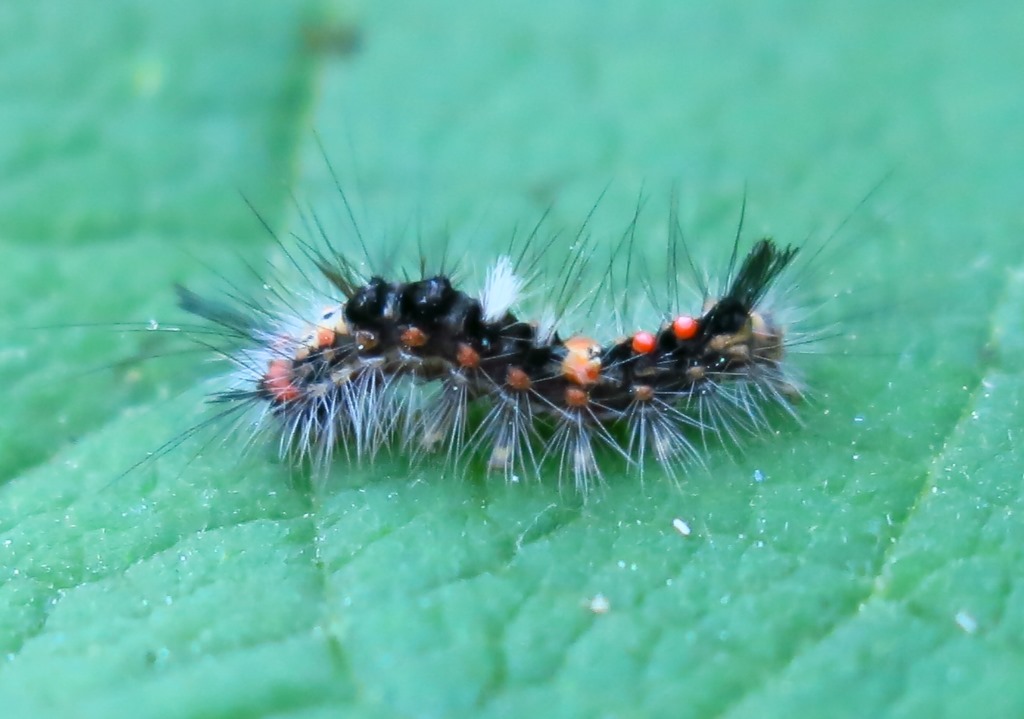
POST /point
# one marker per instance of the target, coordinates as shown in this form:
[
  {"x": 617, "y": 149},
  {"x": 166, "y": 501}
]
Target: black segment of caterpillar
[{"x": 405, "y": 360}]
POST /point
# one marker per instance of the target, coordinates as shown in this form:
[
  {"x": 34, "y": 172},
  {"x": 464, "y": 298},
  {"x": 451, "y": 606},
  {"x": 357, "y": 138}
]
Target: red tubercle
[
  {"x": 644, "y": 342},
  {"x": 278, "y": 381},
  {"x": 324, "y": 337},
  {"x": 467, "y": 357},
  {"x": 414, "y": 337},
  {"x": 685, "y": 327}
]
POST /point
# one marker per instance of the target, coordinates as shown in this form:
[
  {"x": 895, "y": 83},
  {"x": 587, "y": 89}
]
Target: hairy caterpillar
[{"x": 416, "y": 363}]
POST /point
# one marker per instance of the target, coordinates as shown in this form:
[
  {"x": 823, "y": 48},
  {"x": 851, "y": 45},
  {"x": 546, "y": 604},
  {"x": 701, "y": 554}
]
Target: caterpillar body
[{"x": 421, "y": 365}]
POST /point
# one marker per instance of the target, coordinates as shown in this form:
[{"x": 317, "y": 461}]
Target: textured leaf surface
[{"x": 866, "y": 564}]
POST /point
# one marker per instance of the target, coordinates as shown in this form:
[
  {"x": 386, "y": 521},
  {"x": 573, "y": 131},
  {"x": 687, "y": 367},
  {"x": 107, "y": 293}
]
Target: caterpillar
[{"x": 462, "y": 378}]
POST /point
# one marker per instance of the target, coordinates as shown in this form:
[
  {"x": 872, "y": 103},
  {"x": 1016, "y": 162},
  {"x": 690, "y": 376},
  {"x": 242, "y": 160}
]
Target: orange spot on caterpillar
[
  {"x": 576, "y": 398},
  {"x": 582, "y": 362},
  {"x": 324, "y": 337},
  {"x": 467, "y": 357},
  {"x": 518, "y": 379},
  {"x": 278, "y": 381},
  {"x": 685, "y": 327},
  {"x": 414, "y": 337},
  {"x": 643, "y": 343}
]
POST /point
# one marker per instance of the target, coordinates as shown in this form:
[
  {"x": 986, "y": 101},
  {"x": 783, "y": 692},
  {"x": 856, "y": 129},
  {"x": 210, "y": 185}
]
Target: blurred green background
[{"x": 866, "y": 564}]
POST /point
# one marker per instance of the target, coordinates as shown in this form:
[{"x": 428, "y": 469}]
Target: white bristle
[{"x": 502, "y": 289}]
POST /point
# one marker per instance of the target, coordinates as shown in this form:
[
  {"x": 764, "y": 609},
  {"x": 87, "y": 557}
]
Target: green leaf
[{"x": 867, "y": 563}]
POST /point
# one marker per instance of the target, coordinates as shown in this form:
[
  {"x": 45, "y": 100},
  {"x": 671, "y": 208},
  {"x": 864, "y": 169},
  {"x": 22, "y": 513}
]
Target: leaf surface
[{"x": 865, "y": 564}]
